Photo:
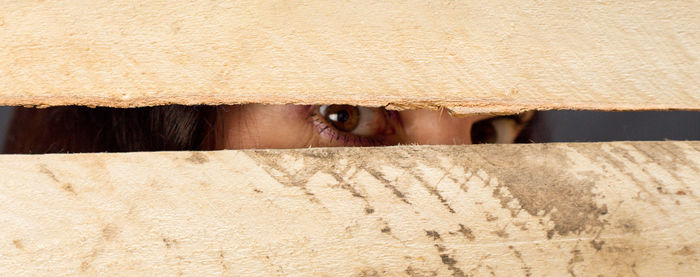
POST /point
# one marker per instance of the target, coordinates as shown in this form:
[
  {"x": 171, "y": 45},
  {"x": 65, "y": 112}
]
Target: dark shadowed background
[
  {"x": 5, "y": 113},
  {"x": 592, "y": 126}
]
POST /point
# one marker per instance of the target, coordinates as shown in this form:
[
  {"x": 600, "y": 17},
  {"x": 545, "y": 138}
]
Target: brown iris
[{"x": 342, "y": 117}]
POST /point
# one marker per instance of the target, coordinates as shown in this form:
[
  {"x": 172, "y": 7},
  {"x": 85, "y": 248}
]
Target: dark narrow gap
[{"x": 81, "y": 129}]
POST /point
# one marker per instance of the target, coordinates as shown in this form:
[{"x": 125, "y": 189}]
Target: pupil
[{"x": 343, "y": 116}]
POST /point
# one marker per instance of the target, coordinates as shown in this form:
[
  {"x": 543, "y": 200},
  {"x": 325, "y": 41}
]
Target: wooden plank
[
  {"x": 468, "y": 56},
  {"x": 625, "y": 208}
]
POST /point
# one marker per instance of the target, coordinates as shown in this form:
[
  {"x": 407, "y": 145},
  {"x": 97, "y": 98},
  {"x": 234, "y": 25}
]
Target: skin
[{"x": 290, "y": 126}]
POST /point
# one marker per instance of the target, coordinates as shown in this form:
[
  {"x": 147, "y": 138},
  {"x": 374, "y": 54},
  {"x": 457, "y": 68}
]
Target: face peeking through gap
[
  {"x": 290, "y": 126},
  {"x": 175, "y": 127}
]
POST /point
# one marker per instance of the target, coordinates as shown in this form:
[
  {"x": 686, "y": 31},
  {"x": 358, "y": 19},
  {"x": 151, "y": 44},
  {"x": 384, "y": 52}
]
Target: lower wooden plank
[{"x": 626, "y": 208}]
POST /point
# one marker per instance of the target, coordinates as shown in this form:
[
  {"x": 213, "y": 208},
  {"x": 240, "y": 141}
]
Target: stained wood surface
[
  {"x": 468, "y": 56},
  {"x": 616, "y": 209}
]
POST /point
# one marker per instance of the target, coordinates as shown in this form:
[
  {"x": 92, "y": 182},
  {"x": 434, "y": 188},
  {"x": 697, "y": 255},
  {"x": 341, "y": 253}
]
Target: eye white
[{"x": 370, "y": 123}]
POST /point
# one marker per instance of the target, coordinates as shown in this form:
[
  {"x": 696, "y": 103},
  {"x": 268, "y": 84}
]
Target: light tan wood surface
[
  {"x": 616, "y": 209},
  {"x": 468, "y": 56}
]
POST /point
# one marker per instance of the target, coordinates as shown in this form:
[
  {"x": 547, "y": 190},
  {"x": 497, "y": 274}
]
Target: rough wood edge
[{"x": 454, "y": 107}]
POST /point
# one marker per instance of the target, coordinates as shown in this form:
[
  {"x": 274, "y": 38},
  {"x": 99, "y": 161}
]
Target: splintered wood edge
[
  {"x": 589, "y": 209},
  {"x": 455, "y": 108},
  {"x": 493, "y": 57}
]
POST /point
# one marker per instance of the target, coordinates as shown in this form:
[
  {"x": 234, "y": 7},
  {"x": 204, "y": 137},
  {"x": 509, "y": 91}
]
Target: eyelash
[{"x": 347, "y": 139}]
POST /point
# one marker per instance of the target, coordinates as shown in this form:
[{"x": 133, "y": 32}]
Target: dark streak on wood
[
  {"x": 433, "y": 234},
  {"x": 198, "y": 158},
  {"x": 18, "y": 244},
  {"x": 467, "y": 232},
  {"x": 432, "y": 190},
  {"x": 45, "y": 170},
  {"x": 387, "y": 184}
]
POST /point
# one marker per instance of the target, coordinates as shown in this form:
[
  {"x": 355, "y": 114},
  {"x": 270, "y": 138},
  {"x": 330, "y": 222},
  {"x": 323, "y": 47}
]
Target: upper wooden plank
[{"x": 469, "y": 56}]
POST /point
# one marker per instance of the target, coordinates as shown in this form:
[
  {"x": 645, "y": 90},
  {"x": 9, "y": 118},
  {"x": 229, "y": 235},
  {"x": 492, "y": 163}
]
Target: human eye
[
  {"x": 354, "y": 125},
  {"x": 499, "y": 129}
]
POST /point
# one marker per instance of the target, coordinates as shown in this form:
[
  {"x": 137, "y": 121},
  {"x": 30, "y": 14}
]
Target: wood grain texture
[
  {"x": 468, "y": 56},
  {"x": 620, "y": 209}
]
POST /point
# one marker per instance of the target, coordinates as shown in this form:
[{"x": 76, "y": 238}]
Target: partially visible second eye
[
  {"x": 500, "y": 129},
  {"x": 359, "y": 121}
]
